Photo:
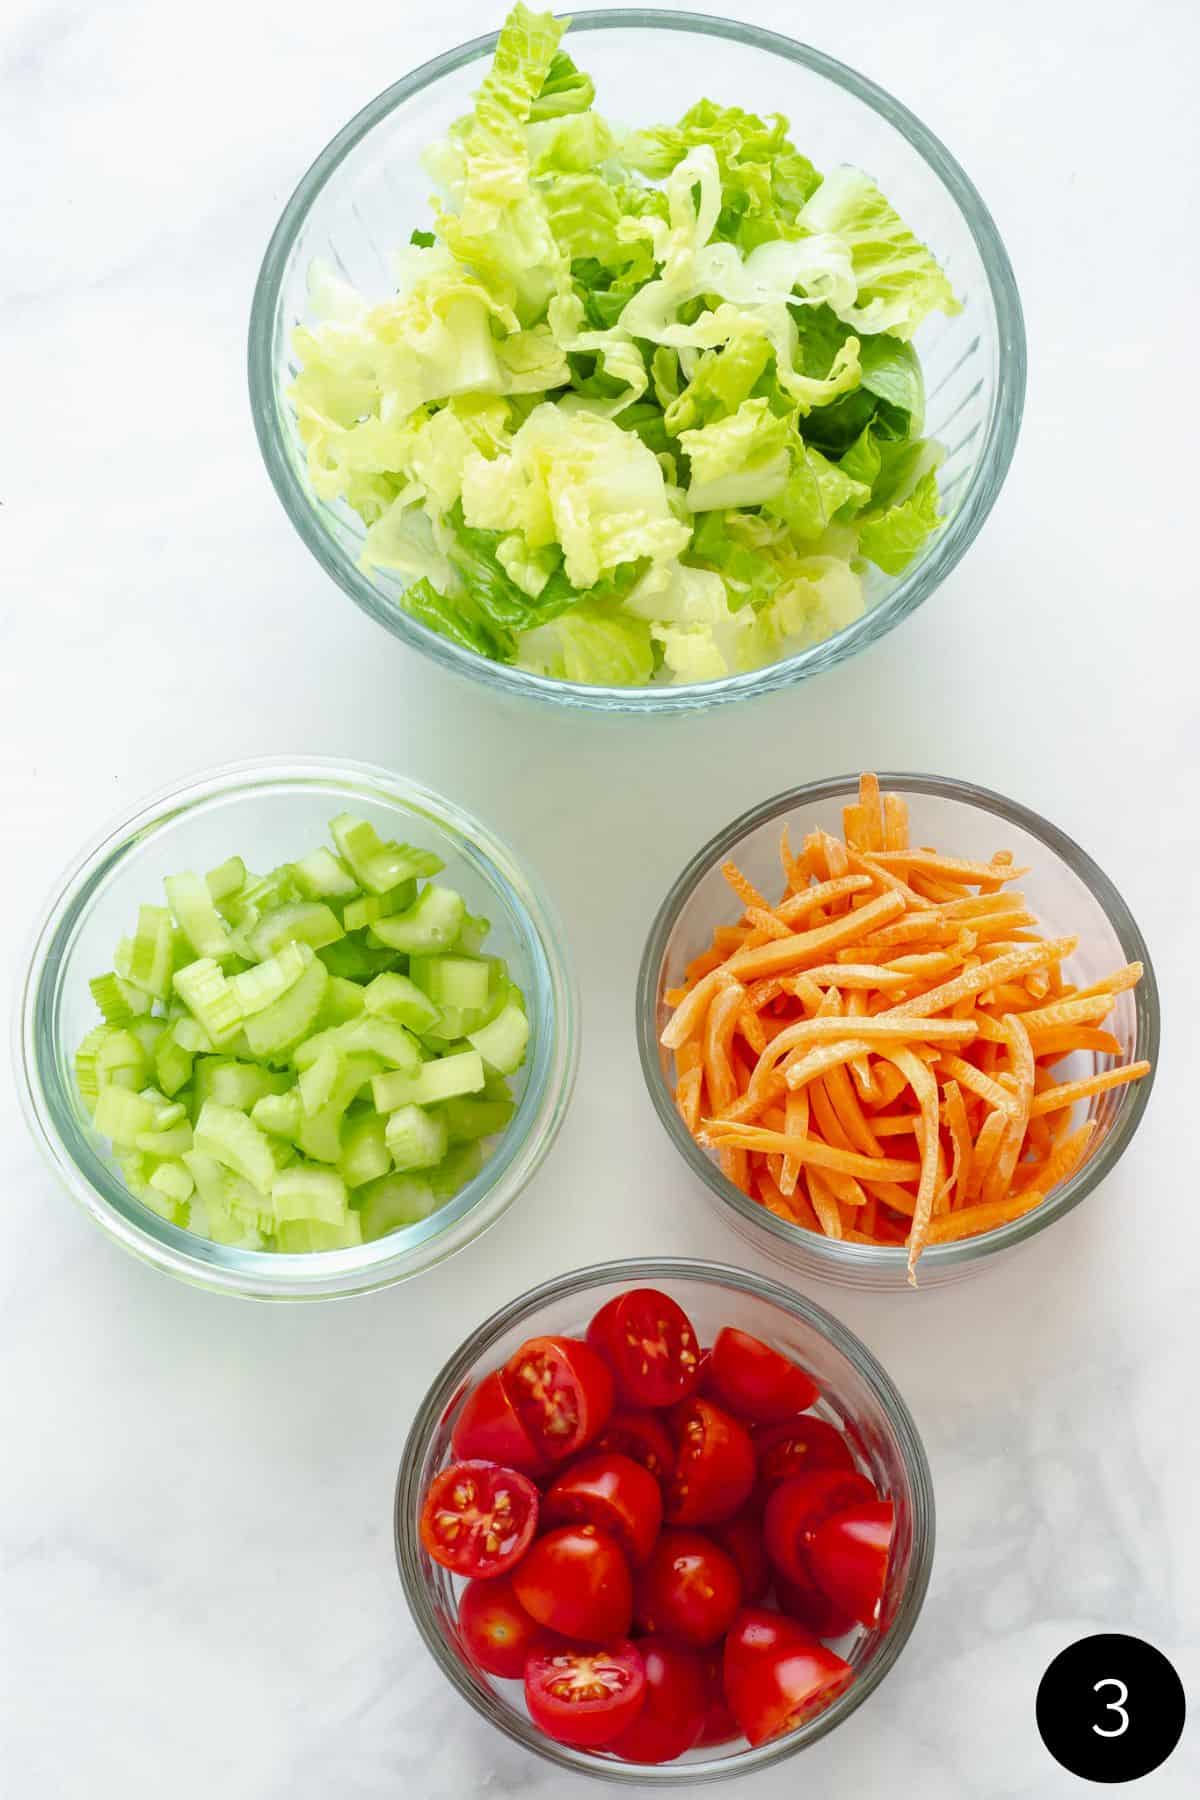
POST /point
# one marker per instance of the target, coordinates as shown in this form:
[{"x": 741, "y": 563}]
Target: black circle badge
[{"x": 1110, "y": 1708}]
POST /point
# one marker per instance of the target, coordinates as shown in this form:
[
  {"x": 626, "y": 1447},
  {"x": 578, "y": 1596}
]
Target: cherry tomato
[
  {"x": 794, "y": 1447},
  {"x": 849, "y": 1554},
  {"x": 689, "y": 1590},
  {"x": 479, "y": 1519},
  {"x": 642, "y": 1436},
  {"x": 488, "y": 1428},
  {"x": 714, "y": 1470},
  {"x": 585, "y": 1697},
  {"x": 777, "y": 1676},
  {"x": 804, "y": 1602},
  {"x": 651, "y": 1346},
  {"x": 756, "y": 1382},
  {"x": 576, "y": 1580},
  {"x": 562, "y": 1392},
  {"x": 719, "y": 1726},
  {"x": 741, "y": 1537},
  {"x": 675, "y": 1708},
  {"x": 498, "y": 1633},
  {"x": 796, "y": 1507},
  {"x": 610, "y": 1491}
]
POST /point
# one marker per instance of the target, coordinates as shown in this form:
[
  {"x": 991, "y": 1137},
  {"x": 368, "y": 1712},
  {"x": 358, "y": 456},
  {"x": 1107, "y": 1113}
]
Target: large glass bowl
[
  {"x": 367, "y": 190},
  {"x": 1070, "y": 895},
  {"x": 856, "y": 1395},
  {"x": 272, "y": 811}
]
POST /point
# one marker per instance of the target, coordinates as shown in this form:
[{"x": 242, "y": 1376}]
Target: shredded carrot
[{"x": 891, "y": 993}]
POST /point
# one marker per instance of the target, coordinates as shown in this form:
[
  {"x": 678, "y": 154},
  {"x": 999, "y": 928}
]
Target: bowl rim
[
  {"x": 319, "y": 1274},
  {"x": 846, "y": 1259},
  {"x": 635, "y": 1271},
  {"x": 1001, "y": 429}
]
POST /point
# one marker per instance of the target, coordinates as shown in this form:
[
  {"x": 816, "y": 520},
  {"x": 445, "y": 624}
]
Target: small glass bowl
[
  {"x": 368, "y": 189},
  {"x": 1070, "y": 895},
  {"x": 275, "y": 810},
  {"x": 856, "y": 1395}
]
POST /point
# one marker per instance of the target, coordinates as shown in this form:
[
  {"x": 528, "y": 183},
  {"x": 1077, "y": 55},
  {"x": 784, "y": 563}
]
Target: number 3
[{"x": 1117, "y": 1706}]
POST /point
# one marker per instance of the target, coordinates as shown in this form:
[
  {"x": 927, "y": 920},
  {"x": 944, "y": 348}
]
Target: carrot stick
[
  {"x": 974, "y": 981},
  {"x": 689, "y": 1016},
  {"x": 806, "y": 946},
  {"x": 921, "y": 1080},
  {"x": 1068, "y": 1092},
  {"x": 810, "y": 1150},
  {"x": 999, "y": 1176}
]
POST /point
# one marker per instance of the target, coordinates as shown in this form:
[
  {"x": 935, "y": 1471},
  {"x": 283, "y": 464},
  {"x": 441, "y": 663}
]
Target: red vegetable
[
  {"x": 488, "y": 1428},
  {"x": 478, "y": 1519},
  {"x": 794, "y": 1446},
  {"x": 562, "y": 1392},
  {"x": 651, "y": 1346},
  {"x": 742, "y": 1538},
  {"x": 641, "y": 1435},
  {"x": 719, "y": 1725},
  {"x": 777, "y": 1676},
  {"x": 714, "y": 1470},
  {"x": 585, "y": 1697},
  {"x": 610, "y": 1491},
  {"x": 576, "y": 1580},
  {"x": 689, "y": 1590},
  {"x": 756, "y": 1382},
  {"x": 798, "y": 1506},
  {"x": 809, "y": 1606},
  {"x": 849, "y": 1555},
  {"x": 675, "y": 1707},
  {"x": 498, "y": 1633}
]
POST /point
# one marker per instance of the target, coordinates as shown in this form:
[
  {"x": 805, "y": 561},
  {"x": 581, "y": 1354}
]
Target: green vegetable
[{"x": 261, "y": 1060}]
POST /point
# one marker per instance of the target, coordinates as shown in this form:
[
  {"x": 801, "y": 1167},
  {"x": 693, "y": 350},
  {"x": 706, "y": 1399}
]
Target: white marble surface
[{"x": 198, "y": 1594}]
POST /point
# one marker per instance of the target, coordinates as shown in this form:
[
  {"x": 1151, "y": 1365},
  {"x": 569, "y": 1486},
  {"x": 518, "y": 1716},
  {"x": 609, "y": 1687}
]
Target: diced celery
[
  {"x": 210, "y": 998},
  {"x": 86, "y": 1073},
  {"x": 324, "y": 876},
  {"x": 121, "y": 1055},
  {"x": 167, "y": 1113},
  {"x": 233, "y": 1140},
  {"x": 378, "y": 866},
  {"x": 259, "y": 987},
  {"x": 118, "y": 999},
  {"x": 302, "y": 922},
  {"x": 227, "y": 879},
  {"x": 152, "y": 951},
  {"x": 393, "y": 1202},
  {"x": 281, "y": 1026},
  {"x": 469, "y": 1117},
  {"x": 190, "y": 1035},
  {"x": 434, "y": 1081},
  {"x": 172, "y": 1064},
  {"x": 174, "y": 1142},
  {"x": 297, "y": 1236},
  {"x": 148, "y": 1033},
  {"x": 356, "y": 960},
  {"x": 318, "y": 1080},
  {"x": 502, "y": 1043},
  {"x": 415, "y": 1138},
  {"x": 472, "y": 933},
  {"x": 370, "y": 907},
  {"x": 173, "y": 1181},
  {"x": 432, "y": 924},
  {"x": 279, "y": 1114},
  {"x": 262, "y": 892},
  {"x": 365, "y": 1155},
  {"x": 381, "y": 1037},
  {"x": 460, "y": 1165},
  {"x": 240, "y": 1085},
  {"x": 461, "y": 981},
  {"x": 344, "y": 1000},
  {"x": 392, "y": 996},
  {"x": 196, "y": 914},
  {"x": 309, "y": 1194},
  {"x": 122, "y": 1117}
]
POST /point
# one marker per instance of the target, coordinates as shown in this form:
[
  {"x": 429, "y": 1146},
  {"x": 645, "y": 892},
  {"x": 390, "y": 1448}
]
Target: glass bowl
[
  {"x": 1070, "y": 896},
  {"x": 367, "y": 190},
  {"x": 857, "y": 1395},
  {"x": 278, "y": 809}
]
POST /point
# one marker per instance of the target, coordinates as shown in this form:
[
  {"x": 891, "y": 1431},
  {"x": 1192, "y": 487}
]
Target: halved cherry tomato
[
  {"x": 714, "y": 1470},
  {"x": 651, "y": 1346},
  {"x": 488, "y": 1428},
  {"x": 562, "y": 1392},
  {"x": 741, "y": 1536},
  {"x": 756, "y": 1382},
  {"x": 689, "y": 1590},
  {"x": 849, "y": 1554},
  {"x": 642, "y": 1436},
  {"x": 796, "y": 1507},
  {"x": 479, "y": 1519},
  {"x": 585, "y": 1697},
  {"x": 719, "y": 1726},
  {"x": 610, "y": 1491},
  {"x": 576, "y": 1580},
  {"x": 795, "y": 1446},
  {"x": 675, "y": 1707},
  {"x": 804, "y": 1602},
  {"x": 778, "y": 1676},
  {"x": 498, "y": 1633}
]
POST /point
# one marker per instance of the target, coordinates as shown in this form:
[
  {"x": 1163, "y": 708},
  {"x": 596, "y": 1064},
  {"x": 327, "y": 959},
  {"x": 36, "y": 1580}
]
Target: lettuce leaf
[
  {"x": 587, "y": 645},
  {"x": 891, "y": 539},
  {"x": 817, "y": 492},
  {"x": 737, "y": 461},
  {"x": 899, "y": 282},
  {"x": 565, "y": 89}
]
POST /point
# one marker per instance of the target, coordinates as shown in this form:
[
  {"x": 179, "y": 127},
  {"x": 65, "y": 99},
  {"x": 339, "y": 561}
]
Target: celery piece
[
  {"x": 344, "y": 1000},
  {"x": 459, "y": 1165},
  {"x": 365, "y": 1155},
  {"x": 309, "y": 1194},
  {"x": 190, "y": 1035},
  {"x": 435, "y": 1081},
  {"x": 415, "y": 1138},
  {"x": 378, "y": 866},
  {"x": 121, "y": 1054},
  {"x": 301, "y": 922},
  {"x": 172, "y": 1064},
  {"x": 380, "y": 1037},
  {"x": 432, "y": 924},
  {"x": 262, "y": 892},
  {"x": 210, "y": 998},
  {"x": 173, "y": 1181},
  {"x": 461, "y": 981},
  {"x": 122, "y": 1117},
  {"x": 392, "y": 996},
  {"x": 469, "y": 1117},
  {"x": 393, "y": 1202},
  {"x": 240, "y": 1085},
  {"x": 306, "y": 1235},
  {"x": 279, "y": 1114},
  {"x": 118, "y": 999},
  {"x": 152, "y": 952},
  {"x": 172, "y": 1143},
  {"x": 87, "y": 1078},
  {"x": 324, "y": 876},
  {"x": 502, "y": 1043},
  {"x": 167, "y": 1113},
  {"x": 318, "y": 1081},
  {"x": 281, "y": 1026},
  {"x": 148, "y": 1033},
  {"x": 356, "y": 960},
  {"x": 370, "y": 907},
  {"x": 226, "y": 880},
  {"x": 262, "y": 985},
  {"x": 472, "y": 932},
  {"x": 196, "y": 914},
  {"x": 319, "y": 1133},
  {"x": 233, "y": 1140}
]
